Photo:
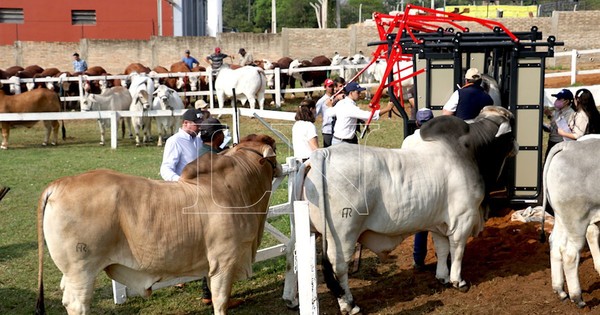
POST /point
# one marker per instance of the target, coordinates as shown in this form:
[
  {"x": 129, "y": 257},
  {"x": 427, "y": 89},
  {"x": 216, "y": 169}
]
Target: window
[
  {"x": 11, "y": 15},
  {"x": 79, "y": 17}
]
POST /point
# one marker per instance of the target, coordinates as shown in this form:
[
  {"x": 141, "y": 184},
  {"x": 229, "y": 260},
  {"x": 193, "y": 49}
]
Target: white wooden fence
[{"x": 573, "y": 72}]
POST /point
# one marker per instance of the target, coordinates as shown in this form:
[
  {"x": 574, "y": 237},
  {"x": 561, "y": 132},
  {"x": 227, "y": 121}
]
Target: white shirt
[
  {"x": 302, "y": 132},
  {"x": 180, "y": 149},
  {"x": 323, "y": 110},
  {"x": 452, "y": 103},
  {"x": 347, "y": 114}
]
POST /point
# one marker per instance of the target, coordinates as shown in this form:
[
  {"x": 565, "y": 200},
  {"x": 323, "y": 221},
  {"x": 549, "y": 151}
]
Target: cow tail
[
  {"x": 555, "y": 149},
  {"x": 40, "y": 307},
  {"x": 329, "y": 276},
  {"x": 64, "y": 130}
]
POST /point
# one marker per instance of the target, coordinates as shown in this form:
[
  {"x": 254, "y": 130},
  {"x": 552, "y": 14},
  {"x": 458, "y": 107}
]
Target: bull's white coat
[
  {"x": 570, "y": 175},
  {"x": 166, "y": 98},
  {"x": 249, "y": 83},
  {"x": 141, "y": 90},
  {"x": 116, "y": 98},
  {"x": 378, "y": 197}
]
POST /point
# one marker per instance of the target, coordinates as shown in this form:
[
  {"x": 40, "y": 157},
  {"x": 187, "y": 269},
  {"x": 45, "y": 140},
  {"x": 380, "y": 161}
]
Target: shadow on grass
[{"x": 13, "y": 251}]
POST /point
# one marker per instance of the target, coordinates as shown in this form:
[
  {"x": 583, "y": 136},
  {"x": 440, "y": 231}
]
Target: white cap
[
  {"x": 473, "y": 74},
  {"x": 200, "y": 104}
]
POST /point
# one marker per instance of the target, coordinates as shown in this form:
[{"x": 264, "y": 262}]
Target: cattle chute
[{"x": 441, "y": 47}]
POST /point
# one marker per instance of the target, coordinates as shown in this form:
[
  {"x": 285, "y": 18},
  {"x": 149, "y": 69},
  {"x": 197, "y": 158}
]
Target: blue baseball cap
[
  {"x": 564, "y": 94},
  {"x": 353, "y": 86},
  {"x": 424, "y": 115}
]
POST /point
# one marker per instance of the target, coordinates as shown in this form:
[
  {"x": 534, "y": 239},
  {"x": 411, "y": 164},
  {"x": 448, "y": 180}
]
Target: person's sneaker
[{"x": 206, "y": 301}]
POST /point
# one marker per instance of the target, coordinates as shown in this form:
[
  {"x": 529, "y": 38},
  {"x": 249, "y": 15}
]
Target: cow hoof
[
  {"x": 53, "y": 144},
  {"x": 44, "y": 144},
  {"x": 579, "y": 302},
  {"x": 462, "y": 286},
  {"x": 354, "y": 311},
  {"x": 293, "y": 306},
  {"x": 4, "y": 147},
  {"x": 138, "y": 145},
  {"x": 562, "y": 296},
  {"x": 101, "y": 143}
]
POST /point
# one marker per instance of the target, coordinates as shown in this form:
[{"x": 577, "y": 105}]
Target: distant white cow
[
  {"x": 141, "y": 90},
  {"x": 570, "y": 187},
  {"x": 249, "y": 83},
  {"x": 115, "y": 98},
  {"x": 339, "y": 60},
  {"x": 166, "y": 98}
]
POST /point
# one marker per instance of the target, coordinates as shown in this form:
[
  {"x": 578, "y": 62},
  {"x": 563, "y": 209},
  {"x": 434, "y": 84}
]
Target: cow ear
[
  {"x": 503, "y": 129},
  {"x": 268, "y": 151}
]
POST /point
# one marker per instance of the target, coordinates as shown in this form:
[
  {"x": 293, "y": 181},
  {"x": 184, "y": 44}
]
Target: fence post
[
  {"x": 277, "y": 86},
  {"x": 211, "y": 88},
  {"x": 114, "y": 129},
  {"x": 305, "y": 244},
  {"x": 573, "y": 66}
]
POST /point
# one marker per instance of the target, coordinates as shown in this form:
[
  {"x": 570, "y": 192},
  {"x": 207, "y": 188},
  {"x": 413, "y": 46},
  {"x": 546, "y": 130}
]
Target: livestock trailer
[{"x": 516, "y": 61}]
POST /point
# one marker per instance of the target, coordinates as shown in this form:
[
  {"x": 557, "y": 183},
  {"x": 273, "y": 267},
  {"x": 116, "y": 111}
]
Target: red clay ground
[{"x": 506, "y": 265}]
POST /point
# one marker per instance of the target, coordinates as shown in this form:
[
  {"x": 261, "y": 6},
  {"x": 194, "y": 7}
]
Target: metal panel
[
  {"x": 529, "y": 85},
  {"x": 421, "y": 83},
  {"x": 527, "y": 173},
  {"x": 528, "y": 126},
  {"x": 194, "y": 17},
  {"x": 441, "y": 77}
]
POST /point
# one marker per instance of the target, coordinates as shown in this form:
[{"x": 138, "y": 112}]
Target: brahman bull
[
  {"x": 116, "y": 98},
  {"x": 141, "y": 231},
  {"x": 166, "y": 98},
  {"x": 570, "y": 187},
  {"x": 249, "y": 83},
  {"x": 378, "y": 196},
  {"x": 35, "y": 101},
  {"x": 141, "y": 90}
]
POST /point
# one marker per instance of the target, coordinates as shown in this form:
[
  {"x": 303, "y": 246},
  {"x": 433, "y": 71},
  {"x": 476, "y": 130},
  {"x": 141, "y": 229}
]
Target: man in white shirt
[
  {"x": 322, "y": 109},
  {"x": 182, "y": 147},
  {"x": 348, "y": 114}
]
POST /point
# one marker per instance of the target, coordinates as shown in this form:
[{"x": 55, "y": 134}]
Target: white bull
[
  {"x": 570, "y": 187},
  {"x": 249, "y": 83},
  {"x": 166, "y": 98},
  {"x": 116, "y": 98},
  {"x": 141, "y": 90},
  {"x": 378, "y": 196}
]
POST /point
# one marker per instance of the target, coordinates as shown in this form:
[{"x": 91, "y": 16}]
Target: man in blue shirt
[
  {"x": 189, "y": 60},
  {"x": 79, "y": 65},
  {"x": 182, "y": 148},
  {"x": 467, "y": 102}
]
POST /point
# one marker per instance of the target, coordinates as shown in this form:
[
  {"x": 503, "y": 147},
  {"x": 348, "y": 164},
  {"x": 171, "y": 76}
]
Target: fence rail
[{"x": 573, "y": 72}]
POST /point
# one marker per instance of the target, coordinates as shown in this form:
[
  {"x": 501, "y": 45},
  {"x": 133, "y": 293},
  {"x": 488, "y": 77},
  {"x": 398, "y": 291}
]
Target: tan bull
[
  {"x": 35, "y": 101},
  {"x": 142, "y": 231}
]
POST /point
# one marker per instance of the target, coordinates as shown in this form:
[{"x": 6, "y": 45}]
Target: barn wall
[{"x": 573, "y": 28}]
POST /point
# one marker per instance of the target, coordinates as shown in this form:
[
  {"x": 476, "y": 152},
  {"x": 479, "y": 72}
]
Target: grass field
[{"x": 27, "y": 168}]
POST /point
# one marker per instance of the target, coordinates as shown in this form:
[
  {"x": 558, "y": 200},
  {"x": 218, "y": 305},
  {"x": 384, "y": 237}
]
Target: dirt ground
[{"x": 506, "y": 266}]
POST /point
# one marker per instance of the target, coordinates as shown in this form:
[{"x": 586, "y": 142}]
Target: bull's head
[
  {"x": 88, "y": 102},
  {"x": 194, "y": 82}
]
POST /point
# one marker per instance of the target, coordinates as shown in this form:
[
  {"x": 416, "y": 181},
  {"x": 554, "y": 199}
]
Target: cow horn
[{"x": 503, "y": 129}]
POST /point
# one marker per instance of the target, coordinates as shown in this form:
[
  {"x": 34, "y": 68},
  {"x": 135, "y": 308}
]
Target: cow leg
[
  {"x": 458, "y": 242},
  {"x": 77, "y": 292},
  {"x": 48, "y": 126},
  {"x": 102, "y": 131},
  {"x": 252, "y": 102},
  {"x": 220, "y": 287},
  {"x": 290, "y": 288},
  {"x": 592, "y": 235},
  {"x": 557, "y": 241},
  {"x": 571, "y": 264},
  {"x": 55, "y": 126},
  {"x": 339, "y": 266},
  {"x": 442, "y": 249},
  {"x": 5, "y": 133}
]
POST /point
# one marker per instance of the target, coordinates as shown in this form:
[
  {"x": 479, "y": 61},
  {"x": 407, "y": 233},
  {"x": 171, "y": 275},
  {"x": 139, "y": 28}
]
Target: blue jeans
[{"x": 420, "y": 248}]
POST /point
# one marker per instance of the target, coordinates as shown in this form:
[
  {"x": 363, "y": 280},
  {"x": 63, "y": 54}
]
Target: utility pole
[{"x": 273, "y": 17}]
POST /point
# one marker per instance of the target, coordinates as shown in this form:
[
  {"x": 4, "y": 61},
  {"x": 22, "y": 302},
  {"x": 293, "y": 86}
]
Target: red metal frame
[{"x": 414, "y": 18}]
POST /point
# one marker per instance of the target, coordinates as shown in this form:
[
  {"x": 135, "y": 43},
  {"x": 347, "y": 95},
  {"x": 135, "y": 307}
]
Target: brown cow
[
  {"x": 209, "y": 223},
  {"x": 35, "y": 101},
  {"x": 13, "y": 70},
  {"x": 136, "y": 67},
  {"x": 286, "y": 79}
]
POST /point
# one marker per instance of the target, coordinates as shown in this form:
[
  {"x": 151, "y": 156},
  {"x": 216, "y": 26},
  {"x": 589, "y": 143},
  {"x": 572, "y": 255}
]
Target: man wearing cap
[
  {"x": 212, "y": 135},
  {"x": 246, "y": 59},
  {"x": 322, "y": 109},
  {"x": 347, "y": 115},
  {"x": 563, "y": 109},
  {"x": 467, "y": 102},
  {"x": 182, "y": 147},
  {"x": 79, "y": 65},
  {"x": 189, "y": 60},
  {"x": 216, "y": 60},
  {"x": 420, "y": 245}
]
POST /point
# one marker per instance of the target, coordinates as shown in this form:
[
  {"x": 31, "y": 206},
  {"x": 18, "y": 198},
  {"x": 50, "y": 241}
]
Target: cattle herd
[
  {"x": 444, "y": 183},
  {"x": 249, "y": 83}
]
